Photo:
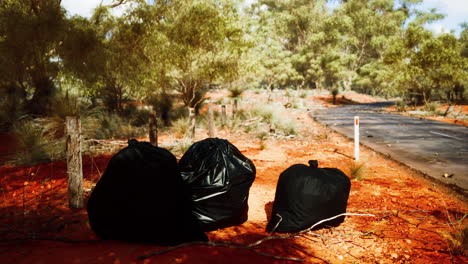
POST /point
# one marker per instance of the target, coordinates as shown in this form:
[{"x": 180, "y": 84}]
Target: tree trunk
[
  {"x": 192, "y": 122},
  {"x": 153, "y": 129},
  {"x": 41, "y": 100},
  {"x": 74, "y": 162},
  {"x": 211, "y": 129}
]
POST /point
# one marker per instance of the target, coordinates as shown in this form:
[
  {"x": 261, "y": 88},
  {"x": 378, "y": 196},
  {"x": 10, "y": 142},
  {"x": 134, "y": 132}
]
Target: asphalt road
[{"x": 438, "y": 149}]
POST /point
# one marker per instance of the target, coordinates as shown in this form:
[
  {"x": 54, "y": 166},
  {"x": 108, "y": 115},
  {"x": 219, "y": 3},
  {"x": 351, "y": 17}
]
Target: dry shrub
[
  {"x": 180, "y": 127},
  {"x": 457, "y": 237},
  {"x": 357, "y": 170}
]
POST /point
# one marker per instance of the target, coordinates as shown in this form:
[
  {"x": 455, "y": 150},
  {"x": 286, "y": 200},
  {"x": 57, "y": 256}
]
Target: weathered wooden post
[
  {"x": 153, "y": 129},
  {"x": 211, "y": 130},
  {"x": 223, "y": 115},
  {"x": 234, "y": 106},
  {"x": 74, "y": 162},
  {"x": 192, "y": 122}
]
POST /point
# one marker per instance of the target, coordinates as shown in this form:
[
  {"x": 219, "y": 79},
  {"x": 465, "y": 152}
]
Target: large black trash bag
[
  {"x": 141, "y": 198},
  {"x": 307, "y": 194},
  {"x": 219, "y": 178}
]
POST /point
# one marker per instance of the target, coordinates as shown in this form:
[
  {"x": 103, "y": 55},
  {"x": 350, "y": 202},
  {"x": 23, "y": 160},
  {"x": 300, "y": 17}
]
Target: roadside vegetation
[
  {"x": 165, "y": 58},
  {"x": 114, "y": 71}
]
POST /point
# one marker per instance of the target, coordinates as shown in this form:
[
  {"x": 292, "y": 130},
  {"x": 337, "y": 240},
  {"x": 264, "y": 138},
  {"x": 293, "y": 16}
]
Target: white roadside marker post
[{"x": 356, "y": 138}]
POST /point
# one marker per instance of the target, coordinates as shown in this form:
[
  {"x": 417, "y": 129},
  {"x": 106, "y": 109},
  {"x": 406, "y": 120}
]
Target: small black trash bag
[
  {"x": 307, "y": 194},
  {"x": 141, "y": 198},
  {"x": 219, "y": 178}
]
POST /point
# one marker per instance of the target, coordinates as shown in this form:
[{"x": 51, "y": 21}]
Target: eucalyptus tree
[
  {"x": 284, "y": 31},
  {"x": 191, "y": 46},
  {"x": 273, "y": 59},
  {"x": 368, "y": 28},
  {"x": 31, "y": 33},
  {"x": 116, "y": 68},
  {"x": 427, "y": 66}
]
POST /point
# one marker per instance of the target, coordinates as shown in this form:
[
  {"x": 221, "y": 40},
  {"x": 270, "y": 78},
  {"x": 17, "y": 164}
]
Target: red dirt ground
[{"x": 412, "y": 223}]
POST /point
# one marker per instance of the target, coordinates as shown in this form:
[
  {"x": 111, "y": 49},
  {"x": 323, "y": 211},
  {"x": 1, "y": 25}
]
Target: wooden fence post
[
  {"x": 153, "y": 129},
  {"x": 211, "y": 130},
  {"x": 192, "y": 122},
  {"x": 74, "y": 162},
  {"x": 223, "y": 115},
  {"x": 234, "y": 106}
]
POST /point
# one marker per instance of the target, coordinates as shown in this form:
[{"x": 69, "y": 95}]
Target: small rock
[
  {"x": 394, "y": 255},
  {"x": 340, "y": 257}
]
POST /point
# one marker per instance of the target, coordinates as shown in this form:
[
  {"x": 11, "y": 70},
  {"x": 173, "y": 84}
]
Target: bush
[
  {"x": 163, "y": 104},
  {"x": 66, "y": 105},
  {"x": 178, "y": 113},
  {"x": 457, "y": 237},
  {"x": 235, "y": 122},
  {"x": 357, "y": 170},
  {"x": 273, "y": 114},
  {"x": 288, "y": 127},
  {"x": 431, "y": 107},
  {"x": 180, "y": 127},
  {"x": 11, "y": 109},
  {"x": 267, "y": 112},
  {"x": 35, "y": 144},
  {"x": 140, "y": 118},
  {"x": 111, "y": 126},
  {"x": 401, "y": 106}
]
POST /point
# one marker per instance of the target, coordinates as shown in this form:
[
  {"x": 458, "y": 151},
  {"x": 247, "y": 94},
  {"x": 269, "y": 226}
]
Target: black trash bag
[
  {"x": 141, "y": 198},
  {"x": 307, "y": 194},
  {"x": 219, "y": 178}
]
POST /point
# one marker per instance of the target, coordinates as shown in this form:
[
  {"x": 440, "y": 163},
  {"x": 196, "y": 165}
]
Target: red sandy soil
[{"x": 412, "y": 216}]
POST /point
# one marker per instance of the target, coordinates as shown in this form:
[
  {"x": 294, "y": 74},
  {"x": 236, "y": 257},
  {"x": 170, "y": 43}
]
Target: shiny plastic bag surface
[{"x": 219, "y": 177}]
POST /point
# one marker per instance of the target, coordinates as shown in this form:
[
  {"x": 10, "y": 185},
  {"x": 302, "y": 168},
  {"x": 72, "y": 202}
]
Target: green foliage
[
  {"x": 427, "y": 66},
  {"x": 189, "y": 57},
  {"x": 378, "y": 47},
  {"x": 39, "y": 48}
]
